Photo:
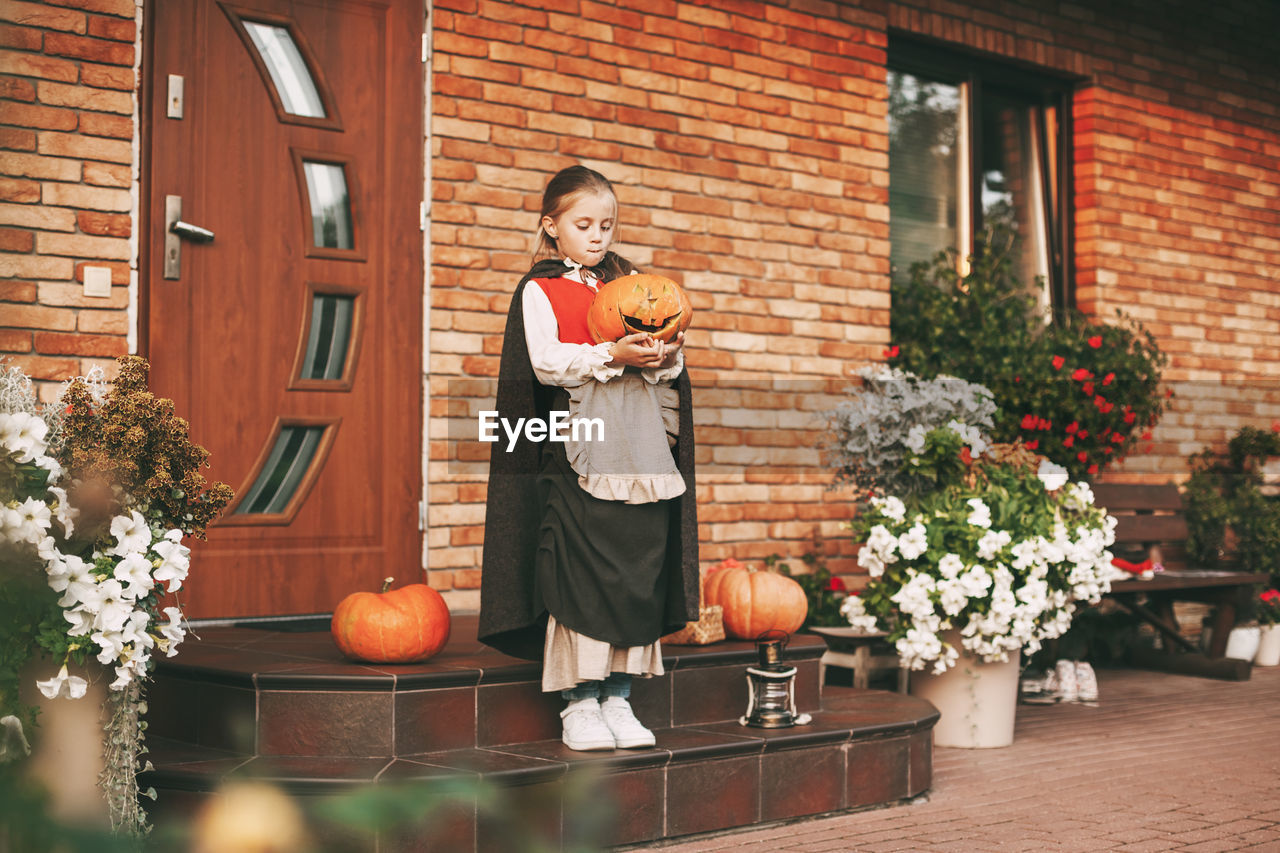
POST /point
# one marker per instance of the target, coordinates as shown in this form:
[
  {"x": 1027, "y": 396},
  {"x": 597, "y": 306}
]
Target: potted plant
[
  {"x": 1080, "y": 392},
  {"x": 966, "y": 574},
  {"x": 1269, "y": 619},
  {"x": 99, "y": 491}
]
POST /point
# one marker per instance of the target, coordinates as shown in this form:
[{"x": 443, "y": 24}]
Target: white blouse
[{"x": 558, "y": 363}]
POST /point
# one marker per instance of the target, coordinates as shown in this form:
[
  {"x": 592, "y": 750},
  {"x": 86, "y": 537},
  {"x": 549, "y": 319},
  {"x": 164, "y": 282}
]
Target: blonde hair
[{"x": 563, "y": 190}]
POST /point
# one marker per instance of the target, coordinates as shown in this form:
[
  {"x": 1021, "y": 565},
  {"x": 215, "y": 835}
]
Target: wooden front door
[{"x": 292, "y": 341}]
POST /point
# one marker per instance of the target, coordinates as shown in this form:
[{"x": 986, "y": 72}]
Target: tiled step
[{"x": 273, "y": 707}]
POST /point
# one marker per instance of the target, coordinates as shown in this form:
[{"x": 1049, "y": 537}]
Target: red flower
[
  {"x": 1030, "y": 421},
  {"x": 1093, "y": 469},
  {"x": 1073, "y": 426},
  {"x": 1108, "y": 379},
  {"x": 965, "y": 456},
  {"x": 1043, "y": 424},
  {"x": 1117, "y": 438},
  {"x": 1095, "y": 341},
  {"x": 1017, "y": 379},
  {"x": 1107, "y": 451},
  {"x": 1082, "y": 435},
  {"x": 1271, "y": 595},
  {"x": 1082, "y": 456},
  {"x": 835, "y": 585},
  {"x": 1032, "y": 445},
  {"x": 1058, "y": 361},
  {"x": 1080, "y": 374},
  {"x": 1275, "y": 425},
  {"x": 728, "y": 563},
  {"x": 1068, "y": 441},
  {"x": 1146, "y": 436},
  {"x": 1130, "y": 416},
  {"x": 891, "y": 352},
  {"x": 1087, "y": 388}
]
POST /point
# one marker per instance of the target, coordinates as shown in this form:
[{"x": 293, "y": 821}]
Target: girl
[{"x": 587, "y": 575}]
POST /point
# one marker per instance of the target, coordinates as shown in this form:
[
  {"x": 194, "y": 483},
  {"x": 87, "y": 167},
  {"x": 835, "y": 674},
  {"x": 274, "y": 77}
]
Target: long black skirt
[{"x": 599, "y": 568}]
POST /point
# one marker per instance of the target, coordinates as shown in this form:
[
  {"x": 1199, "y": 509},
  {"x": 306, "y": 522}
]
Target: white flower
[
  {"x": 173, "y": 632},
  {"x": 66, "y": 513},
  {"x": 75, "y": 580},
  {"x": 23, "y": 432},
  {"x": 981, "y": 515},
  {"x": 134, "y": 571},
  {"x": 869, "y": 560},
  {"x": 914, "y": 542},
  {"x": 950, "y": 566},
  {"x": 992, "y": 542},
  {"x": 175, "y": 560},
  {"x": 1077, "y": 496},
  {"x": 73, "y": 685},
  {"x": 131, "y": 532},
  {"x": 891, "y": 508},
  {"x": 29, "y": 522},
  {"x": 915, "y": 438},
  {"x": 883, "y": 543},
  {"x": 1052, "y": 475}
]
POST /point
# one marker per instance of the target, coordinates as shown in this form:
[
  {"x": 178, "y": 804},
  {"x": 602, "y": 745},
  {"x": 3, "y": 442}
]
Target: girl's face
[{"x": 584, "y": 231}]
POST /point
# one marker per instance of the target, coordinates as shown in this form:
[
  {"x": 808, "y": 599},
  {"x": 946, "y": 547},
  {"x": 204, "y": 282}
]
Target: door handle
[
  {"x": 175, "y": 231},
  {"x": 194, "y": 233}
]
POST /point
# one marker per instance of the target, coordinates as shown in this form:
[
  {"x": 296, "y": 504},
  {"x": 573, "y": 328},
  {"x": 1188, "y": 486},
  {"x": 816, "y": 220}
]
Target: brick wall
[
  {"x": 67, "y": 182},
  {"x": 748, "y": 145}
]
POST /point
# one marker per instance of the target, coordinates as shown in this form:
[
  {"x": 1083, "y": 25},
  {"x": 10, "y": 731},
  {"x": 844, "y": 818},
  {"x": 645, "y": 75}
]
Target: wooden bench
[{"x": 1152, "y": 526}]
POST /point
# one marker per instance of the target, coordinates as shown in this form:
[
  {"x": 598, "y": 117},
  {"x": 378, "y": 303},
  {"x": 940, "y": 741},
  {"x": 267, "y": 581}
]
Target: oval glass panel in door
[
  {"x": 330, "y": 205},
  {"x": 297, "y": 90},
  {"x": 284, "y": 471},
  {"x": 329, "y": 338}
]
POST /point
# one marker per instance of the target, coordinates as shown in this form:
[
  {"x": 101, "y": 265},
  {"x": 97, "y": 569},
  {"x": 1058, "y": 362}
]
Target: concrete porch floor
[{"x": 1165, "y": 762}]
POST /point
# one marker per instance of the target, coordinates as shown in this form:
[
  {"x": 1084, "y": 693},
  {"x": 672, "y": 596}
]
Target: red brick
[
  {"x": 113, "y": 28},
  {"x": 33, "y": 65},
  {"x": 23, "y": 38},
  {"x": 15, "y": 341},
  {"x": 43, "y": 16},
  {"x": 27, "y": 192},
  {"x": 119, "y": 8},
  {"x": 45, "y": 118},
  {"x": 16, "y": 240},
  {"x": 105, "y": 224},
  {"x": 17, "y": 139},
  {"x": 104, "y": 124},
  {"x": 94, "y": 50},
  {"x": 17, "y": 291},
  {"x": 107, "y": 77},
  {"x": 16, "y": 89},
  {"x": 51, "y": 343}
]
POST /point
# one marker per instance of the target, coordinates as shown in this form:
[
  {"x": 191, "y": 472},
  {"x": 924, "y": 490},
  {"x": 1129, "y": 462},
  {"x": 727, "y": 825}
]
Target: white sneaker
[
  {"x": 585, "y": 728},
  {"x": 628, "y": 732},
  {"x": 1086, "y": 682},
  {"x": 1068, "y": 687}
]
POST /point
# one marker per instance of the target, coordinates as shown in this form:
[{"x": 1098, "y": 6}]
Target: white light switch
[{"x": 97, "y": 281}]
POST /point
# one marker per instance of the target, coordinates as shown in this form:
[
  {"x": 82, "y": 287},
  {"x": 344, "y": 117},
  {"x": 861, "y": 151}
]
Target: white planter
[
  {"x": 977, "y": 701},
  {"x": 1242, "y": 642},
  {"x": 1268, "y": 647},
  {"x": 67, "y": 744}
]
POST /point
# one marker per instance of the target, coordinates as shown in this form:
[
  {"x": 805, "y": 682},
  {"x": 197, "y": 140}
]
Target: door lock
[{"x": 175, "y": 231}]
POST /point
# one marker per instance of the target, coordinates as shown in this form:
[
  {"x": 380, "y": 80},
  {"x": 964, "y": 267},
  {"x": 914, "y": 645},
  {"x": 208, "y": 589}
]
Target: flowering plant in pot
[
  {"x": 1079, "y": 391},
  {"x": 97, "y": 491},
  {"x": 998, "y": 552}
]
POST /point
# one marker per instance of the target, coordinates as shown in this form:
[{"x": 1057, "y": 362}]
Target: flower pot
[
  {"x": 67, "y": 743},
  {"x": 1242, "y": 642},
  {"x": 977, "y": 701},
  {"x": 1268, "y": 647}
]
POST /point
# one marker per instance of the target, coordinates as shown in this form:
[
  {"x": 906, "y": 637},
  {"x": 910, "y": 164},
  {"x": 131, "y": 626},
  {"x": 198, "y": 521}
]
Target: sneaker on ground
[
  {"x": 1086, "y": 682},
  {"x": 585, "y": 728},
  {"x": 628, "y": 732},
  {"x": 1068, "y": 687}
]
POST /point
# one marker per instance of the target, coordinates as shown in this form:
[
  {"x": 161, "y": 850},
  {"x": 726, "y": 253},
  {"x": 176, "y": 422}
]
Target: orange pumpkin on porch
[
  {"x": 754, "y": 601},
  {"x": 632, "y": 304},
  {"x": 401, "y": 626}
]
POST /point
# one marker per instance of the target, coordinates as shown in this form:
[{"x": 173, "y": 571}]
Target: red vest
[{"x": 570, "y": 301}]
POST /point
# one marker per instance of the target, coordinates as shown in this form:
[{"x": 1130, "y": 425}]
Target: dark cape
[{"x": 512, "y": 617}]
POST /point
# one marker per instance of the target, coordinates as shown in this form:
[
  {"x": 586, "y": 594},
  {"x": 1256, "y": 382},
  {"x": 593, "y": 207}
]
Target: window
[{"x": 972, "y": 143}]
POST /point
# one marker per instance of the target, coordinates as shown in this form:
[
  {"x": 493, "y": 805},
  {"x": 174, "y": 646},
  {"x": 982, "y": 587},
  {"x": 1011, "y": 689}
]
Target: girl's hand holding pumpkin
[
  {"x": 638, "y": 350},
  {"x": 672, "y": 351}
]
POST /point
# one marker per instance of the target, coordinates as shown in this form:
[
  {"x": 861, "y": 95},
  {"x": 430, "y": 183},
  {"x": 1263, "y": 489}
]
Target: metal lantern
[{"x": 771, "y": 687}]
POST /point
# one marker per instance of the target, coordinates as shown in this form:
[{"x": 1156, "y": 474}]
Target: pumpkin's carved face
[{"x": 633, "y": 304}]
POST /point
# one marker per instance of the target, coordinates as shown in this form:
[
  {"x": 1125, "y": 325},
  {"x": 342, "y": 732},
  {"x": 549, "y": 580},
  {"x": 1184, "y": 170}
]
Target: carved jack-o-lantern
[{"x": 639, "y": 303}]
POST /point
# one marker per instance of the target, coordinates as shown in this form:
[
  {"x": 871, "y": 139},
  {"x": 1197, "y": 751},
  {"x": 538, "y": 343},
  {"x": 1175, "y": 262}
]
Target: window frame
[{"x": 975, "y": 72}]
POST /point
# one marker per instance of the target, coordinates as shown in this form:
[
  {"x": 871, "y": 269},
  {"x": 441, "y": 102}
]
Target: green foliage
[
  {"x": 825, "y": 591},
  {"x": 1082, "y": 393},
  {"x": 1228, "y": 516}
]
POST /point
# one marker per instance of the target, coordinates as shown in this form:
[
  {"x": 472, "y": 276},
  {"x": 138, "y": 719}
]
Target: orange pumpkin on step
[
  {"x": 756, "y": 601},
  {"x": 632, "y": 304},
  {"x": 403, "y": 625}
]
